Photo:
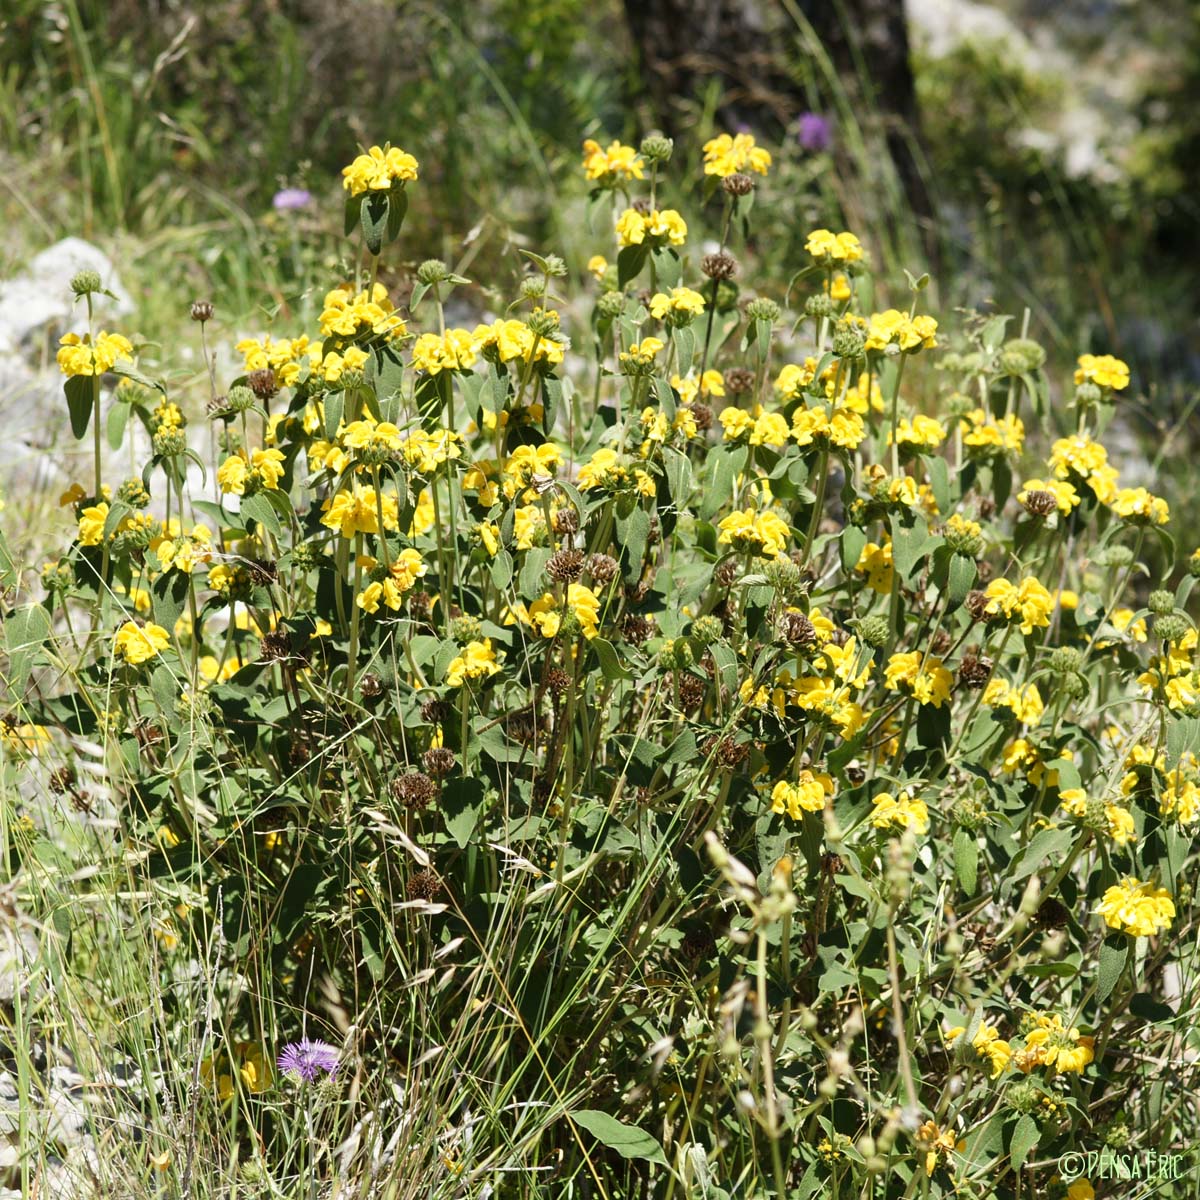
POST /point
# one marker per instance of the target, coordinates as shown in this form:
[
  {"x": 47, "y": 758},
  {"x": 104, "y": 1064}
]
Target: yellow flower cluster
[
  {"x": 262, "y": 471},
  {"x": 1137, "y": 908},
  {"x": 136, "y": 644},
  {"x": 659, "y": 228},
  {"x": 618, "y": 164},
  {"x": 750, "y": 531},
  {"x": 477, "y": 661},
  {"x": 728, "y": 154},
  {"x": 895, "y": 328},
  {"x": 454, "y": 350},
  {"x": 900, "y": 812},
  {"x": 92, "y": 356},
  {"x": 1053, "y": 1044},
  {"x": 1028, "y": 603},
  {"x": 807, "y": 794},
  {"x": 401, "y": 577},
  {"x": 922, "y": 676},
  {"x": 1102, "y": 370},
  {"x": 828, "y": 247},
  {"x": 347, "y": 314},
  {"x": 378, "y": 169},
  {"x": 988, "y": 1045}
]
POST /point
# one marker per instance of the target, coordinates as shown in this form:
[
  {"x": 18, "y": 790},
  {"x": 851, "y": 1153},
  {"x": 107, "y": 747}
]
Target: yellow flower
[
  {"x": 937, "y": 1145},
  {"x": 900, "y": 812},
  {"x": 924, "y": 677},
  {"x": 618, "y": 164},
  {"x": 826, "y": 247},
  {"x": 136, "y": 644},
  {"x": 727, "y": 155},
  {"x": 755, "y": 532},
  {"x": 1137, "y": 908},
  {"x": 377, "y": 169},
  {"x": 875, "y": 562},
  {"x": 372, "y": 436},
  {"x": 921, "y": 432},
  {"x": 1029, "y": 602},
  {"x": 1138, "y": 505},
  {"x": 356, "y": 511},
  {"x": 477, "y": 661},
  {"x": 1081, "y": 1189},
  {"x": 347, "y": 313},
  {"x": 91, "y": 524},
  {"x": 893, "y": 327},
  {"x": 452, "y": 351},
  {"x": 691, "y": 389},
  {"x": 263, "y": 471},
  {"x": 1025, "y": 704},
  {"x": 985, "y": 436},
  {"x": 663, "y": 228},
  {"x": 988, "y": 1044},
  {"x": 92, "y": 356},
  {"x": 680, "y": 300},
  {"x": 807, "y": 794},
  {"x": 1102, "y": 370},
  {"x": 839, "y": 290},
  {"x": 597, "y": 265},
  {"x": 1053, "y": 1044}
]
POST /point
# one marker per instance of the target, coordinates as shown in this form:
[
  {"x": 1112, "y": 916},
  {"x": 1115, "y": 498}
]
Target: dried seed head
[
  {"x": 692, "y": 690},
  {"x": 719, "y": 266},
  {"x": 434, "y": 711},
  {"x": 566, "y": 521},
  {"x": 739, "y": 380},
  {"x": 564, "y": 566},
  {"x": 370, "y": 687},
  {"x": 1039, "y": 503},
  {"x": 202, "y": 310},
  {"x": 276, "y": 646},
  {"x": 974, "y": 671},
  {"x": 262, "y": 383},
  {"x": 420, "y": 605},
  {"x": 438, "y": 761},
  {"x": 738, "y": 185},
  {"x": 62, "y": 780},
  {"x": 602, "y": 568},
  {"x": 636, "y": 629},
  {"x": 698, "y": 943},
  {"x": 263, "y": 571},
  {"x": 1052, "y": 914},
  {"x": 414, "y": 790},
  {"x": 797, "y": 629},
  {"x": 731, "y": 754},
  {"x": 727, "y": 573},
  {"x": 976, "y": 604},
  {"x": 558, "y": 681},
  {"x": 218, "y": 406},
  {"x": 424, "y": 885},
  {"x": 702, "y": 415}
]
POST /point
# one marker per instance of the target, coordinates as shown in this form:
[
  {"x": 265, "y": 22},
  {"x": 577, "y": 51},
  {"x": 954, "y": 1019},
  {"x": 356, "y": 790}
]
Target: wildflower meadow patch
[{"x": 668, "y": 738}]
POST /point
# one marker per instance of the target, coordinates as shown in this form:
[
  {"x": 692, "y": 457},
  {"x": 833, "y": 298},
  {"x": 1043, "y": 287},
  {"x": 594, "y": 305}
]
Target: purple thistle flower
[
  {"x": 291, "y": 198},
  {"x": 307, "y": 1059},
  {"x": 813, "y": 132}
]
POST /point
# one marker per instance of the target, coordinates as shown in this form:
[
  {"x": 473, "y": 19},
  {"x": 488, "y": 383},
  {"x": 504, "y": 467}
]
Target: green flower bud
[
  {"x": 684, "y": 656},
  {"x": 819, "y": 305},
  {"x": 1161, "y": 602},
  {"x": 1023, "y": 1096},
  {"x": 958, "y": 405},
  {"x": 1087, "y": 394},
  {"x": 970, "y": 813},
  {"x": 707, "y": 630},
  {"x": 465, "y": 629},
  {"x": 432, "y": 271},
  {"x": 783, "y": 575},
  {"x": 874, "y": 630},
  {"x": 169, "y": 442},
  {"x": 1064, "y": 660},
  {"x": 554, "y": 266},
  {"x": 1114, "y": 556},
  {"x": 1020, "y": 356},
  {"x": 305, "y": 557},
  {"x": 543, "y": 321},
  {"x": 1075, "y": 686},
  {"x": 762, "y": 309},
  {"x": 84, "y": 282},
  {"x": 666, "y": 657},
  {"x": 727, "y": 296},
  {"x": 133, "y": 492},
  {"x": 848, "y": 340},
  {"x": 1172, "y": 628},
  {"x": 610, "y": 305},
  {"x": 533, "y": 287},
  {"x": 1194, "y": 565},
  {"x": 657, "y": 149},
  {"x": 239, "y": 400}
]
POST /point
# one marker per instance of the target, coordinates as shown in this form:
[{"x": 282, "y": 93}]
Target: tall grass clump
[{"x": 710, "y": 750}]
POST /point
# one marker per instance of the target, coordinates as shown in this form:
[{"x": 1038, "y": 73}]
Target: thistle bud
[
  {"x": 1161, "y": 602},
  {"x": 819, "y": 305},
  {"x": 762, "y": 309},
  {"x": 239, "y": 400},
  {"x": 1172, "y": 628},
  {"x": 657, "y": 149},
  {"x": 1064, "y": 660},
  {"x": 84, "y": 282},
  {"x": 874, "y": 630},
  {"x": 432, "y": 271}
]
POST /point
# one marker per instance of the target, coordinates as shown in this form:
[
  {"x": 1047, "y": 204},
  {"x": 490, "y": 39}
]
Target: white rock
[{"x": 39, "y": 300}]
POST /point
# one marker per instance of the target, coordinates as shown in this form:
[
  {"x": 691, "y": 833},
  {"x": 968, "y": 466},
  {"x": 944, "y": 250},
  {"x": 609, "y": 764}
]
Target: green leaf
[
  {"x": 163, "y": 688},
  {"x": 25, "y": 632},
  {"x": 685, "y": 347},
  {"x": 260, "y": 510},
  {"x": 1113, "y": 953},
  {"x": 853, "y": 540},
  {"x": 501, "y": 570},
  {"x": 397, "y": 207},
  {"x": 633, "y": 531},
  {"x": 129, "y": 371},
  {"x": 118, "y": 418},
  {"x": 627, "y": 1140},
  {"x": 966, "y": 861},
  {"x": 334, "y": 404},
  {"x": 630, "y": 262},
  {"x": 81, "y": 400},
  {"x": 961, "y": 578},
  {"x": 373, "y": 218},
  {"x": 668, "y": 270},
  {"x": 610, "y": 663},
  {"x": 910, "y": 543},
  {"x": 353, "y": 208},
  {"x": 678, "y": 468},
  {"x": 1045, "y": 843},
  {"x": 1024, "y": 1137},
  {"x": 462, "y": 805},
  {"x": 168, "y": 595},
  {"x": 1149, "y": 1009}
]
